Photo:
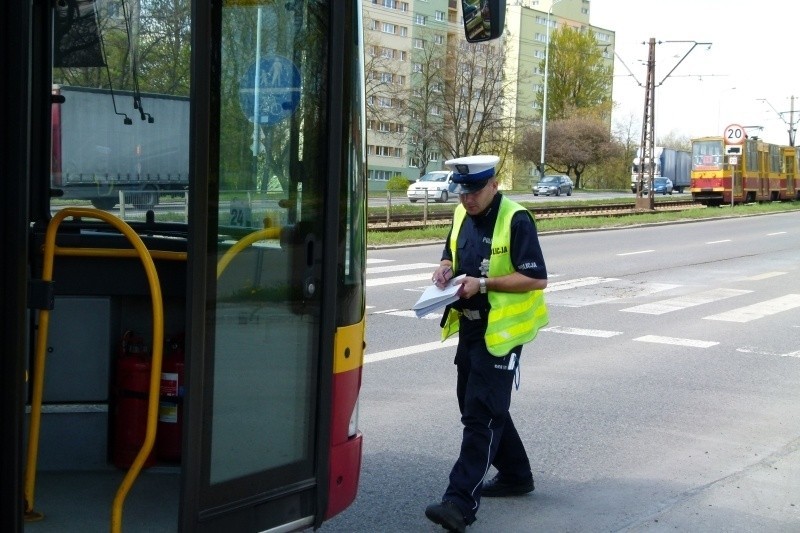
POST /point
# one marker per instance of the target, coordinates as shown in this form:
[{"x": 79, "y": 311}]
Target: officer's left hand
[{"x": 469, "y": 287}]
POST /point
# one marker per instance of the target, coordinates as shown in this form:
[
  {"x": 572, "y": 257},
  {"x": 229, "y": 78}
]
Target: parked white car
[{"x": 437, "y": 186}]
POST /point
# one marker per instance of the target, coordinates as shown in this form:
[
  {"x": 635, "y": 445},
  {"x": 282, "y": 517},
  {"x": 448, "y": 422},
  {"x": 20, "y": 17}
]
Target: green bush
[{"x": 397, "y": 183}]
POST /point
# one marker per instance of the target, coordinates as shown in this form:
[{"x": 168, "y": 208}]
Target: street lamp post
[{"x": 544, "y": 100}]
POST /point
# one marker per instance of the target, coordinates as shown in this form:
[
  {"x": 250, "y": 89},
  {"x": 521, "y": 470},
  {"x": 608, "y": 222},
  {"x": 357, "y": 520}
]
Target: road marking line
[
  {"x": 409, "y": 350},
  {"x": 385, "y": 311},
  {"x": 376, "y": 261},
  {"x": 765, "y": 275},
  {"x": 582, "y": 332},
  {"x": 718, "y": 242},
  {"x": 635, "y": 253},
  {"x": 676, "y": 341},
  {"x": 404, "y": 266},
  {"x": 413, "y": 314},
  {"x": 760, "y": 352},
  {"x": 575, "y": 283},
  {"x": 776, "y": 233},
  {"x": 759, "y": 310},
  {"x": 399, "y": 279},
  {"x": 683, "y": 302}
]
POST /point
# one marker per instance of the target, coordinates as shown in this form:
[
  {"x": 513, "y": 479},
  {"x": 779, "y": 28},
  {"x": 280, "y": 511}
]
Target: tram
[
  {"x": 189, "y": 360},
  {"x": 753, "y": 171}
]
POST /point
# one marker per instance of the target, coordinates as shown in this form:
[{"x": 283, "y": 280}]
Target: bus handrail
[
  {"x": 244, "y": 242},
  {"x": 50, "y": 250}
]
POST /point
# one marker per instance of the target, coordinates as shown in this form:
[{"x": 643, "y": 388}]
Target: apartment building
[{"x": 407, "y": 41}]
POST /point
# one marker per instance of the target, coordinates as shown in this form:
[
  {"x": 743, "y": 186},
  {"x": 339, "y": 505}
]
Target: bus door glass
[{"x": 267, "y": 198}]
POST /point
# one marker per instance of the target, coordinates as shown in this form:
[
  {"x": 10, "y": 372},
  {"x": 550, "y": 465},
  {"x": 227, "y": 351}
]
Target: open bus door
[
  {"x": 269, "y": 295},
  {"x": 266, "y": 314}
]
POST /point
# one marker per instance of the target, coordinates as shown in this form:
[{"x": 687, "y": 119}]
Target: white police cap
[{"x": 470, "y": 174}]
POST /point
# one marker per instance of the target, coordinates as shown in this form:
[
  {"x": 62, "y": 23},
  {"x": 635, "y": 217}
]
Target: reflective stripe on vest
[{"x": 514, "y": 317}]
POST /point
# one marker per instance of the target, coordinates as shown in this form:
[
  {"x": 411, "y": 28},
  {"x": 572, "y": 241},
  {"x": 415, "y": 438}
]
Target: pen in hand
[{"x": 440, "y": 279}]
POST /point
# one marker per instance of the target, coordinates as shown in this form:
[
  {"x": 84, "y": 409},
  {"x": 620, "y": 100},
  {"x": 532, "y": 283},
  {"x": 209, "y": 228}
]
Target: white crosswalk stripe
[
  {"x": 676, "y": 341},
  {"x": 575, "y": 283},
  {"x": 402, "y": 268},
  {"x": 582, "y": 332},
  {"x": 684, "y": 302},
  {"x": 759, "y": 310},
  {"x": 399, "y": 279}
]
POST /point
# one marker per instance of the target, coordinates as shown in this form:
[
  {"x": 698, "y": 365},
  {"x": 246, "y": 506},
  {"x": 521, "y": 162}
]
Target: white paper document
[{"x": 433, "y": 298}]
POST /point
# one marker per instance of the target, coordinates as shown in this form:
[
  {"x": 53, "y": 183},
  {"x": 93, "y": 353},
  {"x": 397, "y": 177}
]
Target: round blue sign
[{"x": 270, "y": 90}]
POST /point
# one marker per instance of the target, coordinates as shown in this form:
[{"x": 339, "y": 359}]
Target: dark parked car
[{"x": 553, "y": 184}]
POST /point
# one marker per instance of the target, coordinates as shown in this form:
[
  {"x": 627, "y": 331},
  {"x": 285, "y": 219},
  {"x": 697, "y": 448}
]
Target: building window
[
  {"x": 440, "y": 16},
  {"x": 416, "y": 67},
  {"x": 438, "y": 39},
  {"x": 436, "y": 111},
  {"x": 422, "y": 20},
  {"x": 539, "y": 54},
  {"x": 541, "y": 37},
  {"x": 433, "y": 156},
  {"x": 419, "y": 43},
  {"x": 389, "y": 28},
  {"x": 385, "y": 102},
  {"x": 403, "y": 31},
  {"x": 403, "y": 55}
]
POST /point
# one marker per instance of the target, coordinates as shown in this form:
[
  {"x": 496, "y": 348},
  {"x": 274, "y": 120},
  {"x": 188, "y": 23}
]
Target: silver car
[{"x": 554, "y": 184}]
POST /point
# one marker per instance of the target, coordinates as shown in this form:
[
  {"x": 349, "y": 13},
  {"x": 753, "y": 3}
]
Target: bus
[
  {"x": 190, "y": 360},
  {"x": 754, "y": 171}
]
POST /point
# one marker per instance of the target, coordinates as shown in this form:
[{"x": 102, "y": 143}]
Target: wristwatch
[{"x": 482, "y": 283}]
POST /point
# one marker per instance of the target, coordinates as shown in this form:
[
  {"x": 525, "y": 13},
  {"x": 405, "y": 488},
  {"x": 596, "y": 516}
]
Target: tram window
[{"x": 707, "y": 154}]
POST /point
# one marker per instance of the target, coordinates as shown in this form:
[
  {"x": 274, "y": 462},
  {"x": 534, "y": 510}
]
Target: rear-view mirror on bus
[{"x": 483, "y": 19}]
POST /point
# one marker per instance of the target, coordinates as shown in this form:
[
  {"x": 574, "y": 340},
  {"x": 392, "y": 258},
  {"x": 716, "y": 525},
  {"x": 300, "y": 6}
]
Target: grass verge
[{"x": 545, "y": 225}]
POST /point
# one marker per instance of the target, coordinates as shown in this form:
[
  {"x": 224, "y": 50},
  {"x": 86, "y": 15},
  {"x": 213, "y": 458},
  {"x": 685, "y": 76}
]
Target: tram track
[{"x": 440, "y": 217}]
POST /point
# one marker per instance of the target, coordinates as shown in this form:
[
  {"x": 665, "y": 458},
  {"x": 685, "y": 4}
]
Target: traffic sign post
[{"x": 734, "y": 136}]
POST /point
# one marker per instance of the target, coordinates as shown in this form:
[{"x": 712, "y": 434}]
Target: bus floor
[{"x": 80, "y": 501}]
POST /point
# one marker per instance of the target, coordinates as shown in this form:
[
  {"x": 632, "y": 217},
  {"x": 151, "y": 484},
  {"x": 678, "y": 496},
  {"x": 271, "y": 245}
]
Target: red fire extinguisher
[
  {"x": 132, "y": 387},
  {"x": 170, "y": 410}
]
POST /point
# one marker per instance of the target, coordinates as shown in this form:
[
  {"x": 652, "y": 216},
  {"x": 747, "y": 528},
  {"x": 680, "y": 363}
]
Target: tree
[
  {"x": 425, "y": 102},
  {"x": 676, "y": 141},
  {"x": 578, "y": 77},
  {"x": 474, "y": 121},
  {"x": 146, "y": 49},
  {"x": 573, "y": 144}
]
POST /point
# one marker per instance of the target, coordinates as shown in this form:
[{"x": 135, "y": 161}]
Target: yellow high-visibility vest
[{"x": 514, "y": 317}]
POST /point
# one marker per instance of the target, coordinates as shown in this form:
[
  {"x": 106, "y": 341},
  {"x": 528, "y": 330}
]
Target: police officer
[{"x": 493, "y": 241}]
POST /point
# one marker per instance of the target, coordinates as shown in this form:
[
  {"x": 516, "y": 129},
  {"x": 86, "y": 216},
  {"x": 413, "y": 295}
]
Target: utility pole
[
  {"x": 790, "y": 123},
  {"x": 647, "y": 147}
]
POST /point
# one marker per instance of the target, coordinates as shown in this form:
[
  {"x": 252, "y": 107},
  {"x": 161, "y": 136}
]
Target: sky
[{"x": 755, "y": 54}]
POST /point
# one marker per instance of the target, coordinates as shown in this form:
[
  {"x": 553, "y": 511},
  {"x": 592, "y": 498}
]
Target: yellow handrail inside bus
[
  {"x": 50, "y": 250},
  {"x": 244, "y": 242}
]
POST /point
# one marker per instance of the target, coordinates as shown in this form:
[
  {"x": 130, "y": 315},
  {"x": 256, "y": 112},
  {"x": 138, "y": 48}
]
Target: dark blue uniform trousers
[{"x": 484, "y": 395}]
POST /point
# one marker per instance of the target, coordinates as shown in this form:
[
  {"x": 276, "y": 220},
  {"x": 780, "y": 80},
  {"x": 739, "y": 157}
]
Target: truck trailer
[
  {"x": 673, "y": 164},
  {"x": 105, "y": 142}
]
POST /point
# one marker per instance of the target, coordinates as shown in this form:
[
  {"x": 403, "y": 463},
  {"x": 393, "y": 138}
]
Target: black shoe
[
  {"x": 448, "y": 515},
  {"x": 497, "y": 488}
]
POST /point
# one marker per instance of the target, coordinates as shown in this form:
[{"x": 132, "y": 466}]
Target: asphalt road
[{"x": 662, "y": 396}]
